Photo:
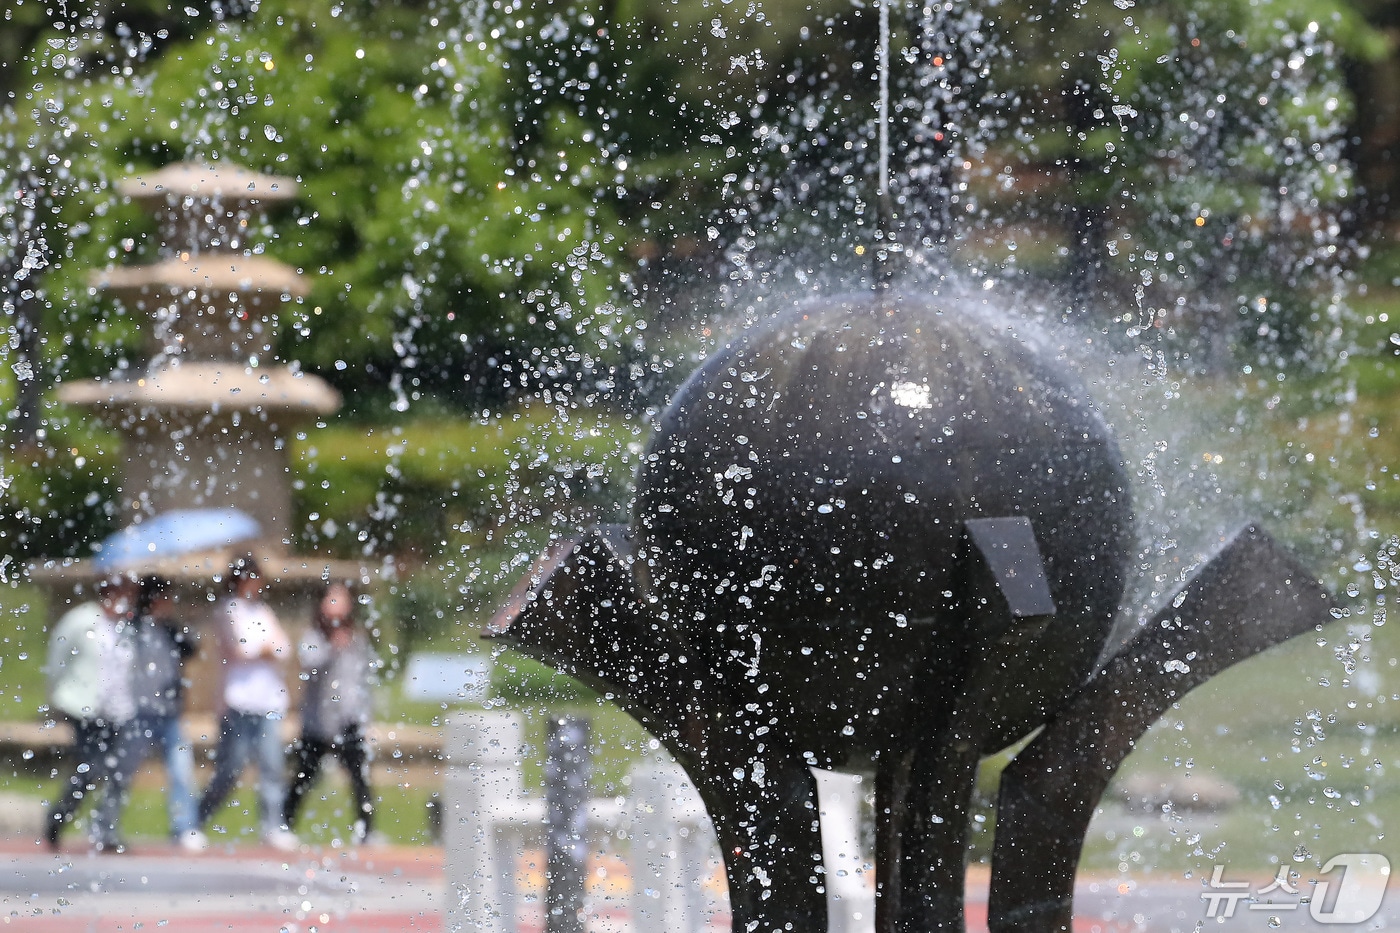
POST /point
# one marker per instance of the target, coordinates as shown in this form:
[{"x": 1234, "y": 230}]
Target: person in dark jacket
[
  {"x": 337, "y": 667},
  {"x": 162, "y": 646}
]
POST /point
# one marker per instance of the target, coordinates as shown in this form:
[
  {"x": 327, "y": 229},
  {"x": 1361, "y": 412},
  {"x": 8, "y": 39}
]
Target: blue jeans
[
  {"x": 241, "y": 737},
  {"x": 162, "y": 733}
]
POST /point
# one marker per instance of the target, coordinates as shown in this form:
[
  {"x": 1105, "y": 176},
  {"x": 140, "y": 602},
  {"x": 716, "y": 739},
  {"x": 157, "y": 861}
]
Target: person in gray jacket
[{"x": 337, "y": 667}]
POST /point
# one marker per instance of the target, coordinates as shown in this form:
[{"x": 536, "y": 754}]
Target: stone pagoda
[
  {"x": 206, "y": 419},
  {"x": 206, "y": 416}
]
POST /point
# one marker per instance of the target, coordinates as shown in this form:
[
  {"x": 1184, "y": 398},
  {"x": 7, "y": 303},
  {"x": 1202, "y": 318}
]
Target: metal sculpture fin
[
  {"x": 527, "y": 589},
  {"x": 1008, "y": 546},
  {"x": 576, "y": 609},
  {"x": 1250, "y": 596}
]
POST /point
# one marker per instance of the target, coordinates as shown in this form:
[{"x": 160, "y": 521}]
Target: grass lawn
[
  {"x": 402, "y": 812},
  {"x": 23, "y": 645},
  {"x": 1311, "y": 770},
  {"x": 1309, "y": 732}
]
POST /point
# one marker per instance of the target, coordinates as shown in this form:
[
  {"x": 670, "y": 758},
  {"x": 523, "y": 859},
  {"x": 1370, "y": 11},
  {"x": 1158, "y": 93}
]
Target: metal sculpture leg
[
  {"x": 922, "y": 805},
  {"x": 892, "y": 793},
  {"x": 933, "y": 855},
  {"x": 763, "y": 802},
  {"x": 1251, "y": 596}
]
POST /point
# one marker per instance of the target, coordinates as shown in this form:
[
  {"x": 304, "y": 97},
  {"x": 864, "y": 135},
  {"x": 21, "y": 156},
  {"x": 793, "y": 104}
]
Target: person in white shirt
[
  {"x": 252, "y": 647},
  {"x": 89, "y": 668}
]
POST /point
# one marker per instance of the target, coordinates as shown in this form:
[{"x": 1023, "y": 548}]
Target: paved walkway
[
  {"x": 230, "y": 890},
  {"x": 251, "y": 889}
]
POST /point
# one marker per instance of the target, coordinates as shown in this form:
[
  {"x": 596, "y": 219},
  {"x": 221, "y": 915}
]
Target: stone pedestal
[
  {"x": 848, "y": 871},
  {"x": 672, "y": 847}
]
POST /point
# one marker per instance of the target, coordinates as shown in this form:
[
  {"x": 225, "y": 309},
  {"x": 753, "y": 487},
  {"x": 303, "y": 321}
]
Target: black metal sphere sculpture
[{"x": 878, "y": 535}]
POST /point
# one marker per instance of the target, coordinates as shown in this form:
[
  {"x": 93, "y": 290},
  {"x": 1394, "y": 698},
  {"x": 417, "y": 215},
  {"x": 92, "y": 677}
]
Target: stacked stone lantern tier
[
  {"x": 206, "y": 208},
  {"x": 211, "y": 305},
  {"x": 207, "y": 434}
]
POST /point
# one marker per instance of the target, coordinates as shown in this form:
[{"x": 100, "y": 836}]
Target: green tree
[
  {"x": 1179, "y": 163},
  {"x": 444, "y": 253},
  {"x": 45, "y": 49},
  {"x": 1375, "y": 79},
  {"x": 1224, "y": 182},
  {"x": 439, "y": 254}
]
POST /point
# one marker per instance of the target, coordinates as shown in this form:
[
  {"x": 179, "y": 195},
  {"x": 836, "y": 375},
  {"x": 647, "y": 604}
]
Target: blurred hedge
[
  {"x": 57, "y": 497},
  {"x": 424, "y": 489}
]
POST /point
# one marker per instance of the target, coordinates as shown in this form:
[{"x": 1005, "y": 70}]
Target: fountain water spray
[
  {"x": 883, "y": 169},
  {"x": 883, "y": 534}
]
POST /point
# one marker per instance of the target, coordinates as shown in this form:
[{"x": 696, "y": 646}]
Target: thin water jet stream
[
  {"x": 884, "y": 252},
  {"x": 884, "y": 63}
]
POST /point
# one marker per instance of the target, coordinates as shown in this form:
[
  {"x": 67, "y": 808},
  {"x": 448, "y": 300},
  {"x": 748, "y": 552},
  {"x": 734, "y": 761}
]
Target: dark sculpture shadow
[{"x": 878, "y": 535}]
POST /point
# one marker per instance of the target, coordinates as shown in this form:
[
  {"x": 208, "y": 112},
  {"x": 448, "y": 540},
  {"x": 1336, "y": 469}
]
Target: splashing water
[
  {"x": 1189, "y": 295},
  {"x": 1158, "y": 188}
]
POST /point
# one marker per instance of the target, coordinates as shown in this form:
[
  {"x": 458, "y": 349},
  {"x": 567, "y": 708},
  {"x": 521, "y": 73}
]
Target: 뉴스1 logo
[{"x": 1355, "y": 897}]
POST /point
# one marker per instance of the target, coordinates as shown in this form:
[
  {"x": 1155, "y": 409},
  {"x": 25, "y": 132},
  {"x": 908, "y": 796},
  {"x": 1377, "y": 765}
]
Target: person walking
[
  {"x": 89, "y": 669},
  {"x": 162, "y": 645},
  {"x": 337, "y": 667},
  {"x": 252, "y": 647}
]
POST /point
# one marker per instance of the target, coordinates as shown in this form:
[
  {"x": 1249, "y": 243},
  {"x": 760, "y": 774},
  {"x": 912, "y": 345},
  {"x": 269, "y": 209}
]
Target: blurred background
[{"x": 520, "y": 226}]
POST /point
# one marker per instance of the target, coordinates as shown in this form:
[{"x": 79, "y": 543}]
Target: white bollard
[
  {"x": 482, "y": 797},
  {"x": 673, "y": 845},
  {"x": 850, "y": 898}
]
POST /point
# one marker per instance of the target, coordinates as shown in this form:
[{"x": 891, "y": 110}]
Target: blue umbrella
[{"x": 173, "y": 533}]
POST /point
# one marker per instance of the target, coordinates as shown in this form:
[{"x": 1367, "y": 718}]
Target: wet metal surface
[{"x": 880, "y": 535}]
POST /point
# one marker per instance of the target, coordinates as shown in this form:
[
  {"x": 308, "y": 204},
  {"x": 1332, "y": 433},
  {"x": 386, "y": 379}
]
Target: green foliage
[
  {"x": 422, "y": 610},
  {"x": 23, "y": 650},
  {"x": 1207, "y": 161},
  {"x": 431, "y": 252},
  {"x": 1182, "y": 161},
  {"x": 471, "y": 177},
  {"x": 1235, "y": 161},
  {"x": 55, "y": 498},
  {"x": 527, "y": 683},
  {"x": 429, "y": 487}
]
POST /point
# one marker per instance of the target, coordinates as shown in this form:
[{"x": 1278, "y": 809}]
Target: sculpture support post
[
  {"x": 850, "y": 899},
  {"x": 1250, "y": 596},
  {"x": 669, "y": 854}
]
